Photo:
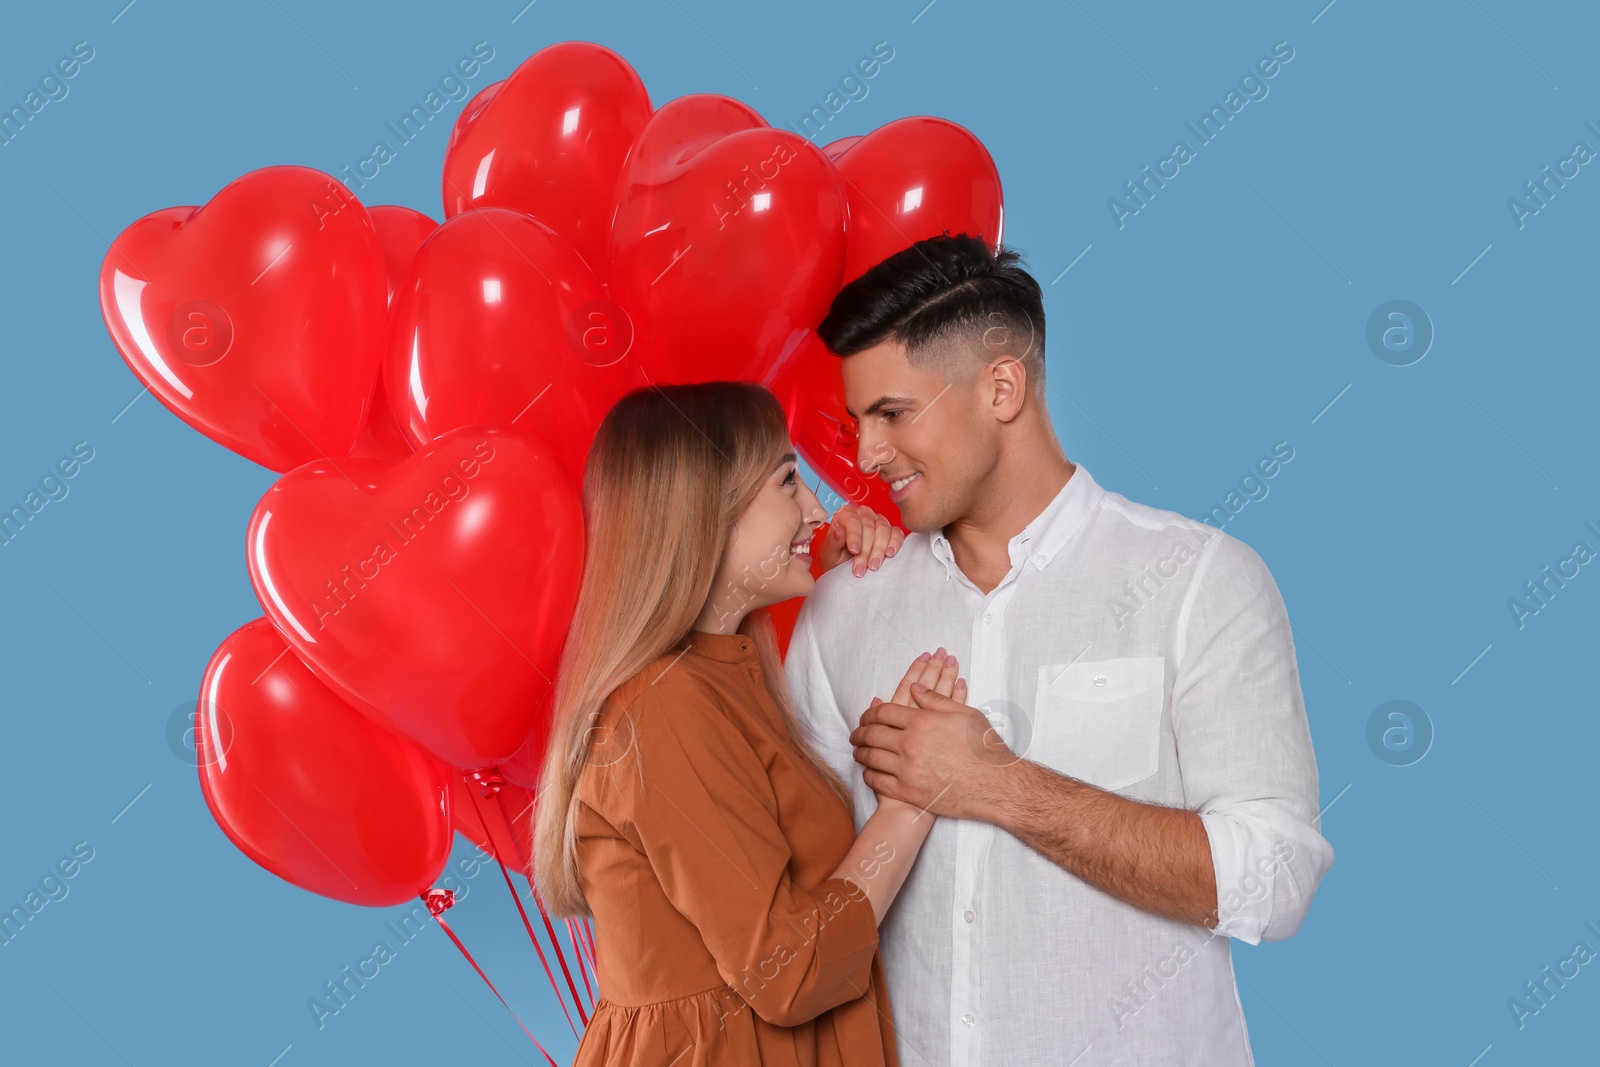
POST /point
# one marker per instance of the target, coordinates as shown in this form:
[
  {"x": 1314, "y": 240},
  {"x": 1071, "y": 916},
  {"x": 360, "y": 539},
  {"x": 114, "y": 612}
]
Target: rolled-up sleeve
[
  {"x": 695, "y": 798},
  {"x": 1244, "y": 745}
]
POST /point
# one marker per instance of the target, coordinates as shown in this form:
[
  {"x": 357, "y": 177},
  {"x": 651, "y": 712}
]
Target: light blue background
[{"x": 1222, "y": 318}]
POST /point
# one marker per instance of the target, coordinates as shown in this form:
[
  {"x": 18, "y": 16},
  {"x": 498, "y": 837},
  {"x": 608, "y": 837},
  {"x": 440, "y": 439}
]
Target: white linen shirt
[{"x": 1133, "y": 649}]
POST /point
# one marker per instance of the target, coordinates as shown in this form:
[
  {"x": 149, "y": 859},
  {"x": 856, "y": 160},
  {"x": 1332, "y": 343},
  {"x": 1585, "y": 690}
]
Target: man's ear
[{"x": 1008, "y": 385}]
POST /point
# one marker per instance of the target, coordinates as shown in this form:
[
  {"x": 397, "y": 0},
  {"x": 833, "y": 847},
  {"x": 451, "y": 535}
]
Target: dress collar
[
  {"x": 1050, "y": 530},
  {"x": 725, "y": 648}
]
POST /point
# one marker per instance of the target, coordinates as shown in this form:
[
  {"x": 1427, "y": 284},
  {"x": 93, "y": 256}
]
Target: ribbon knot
[
  {"x": 438, "y": 900},
  {"x": 489, "y": 781}
]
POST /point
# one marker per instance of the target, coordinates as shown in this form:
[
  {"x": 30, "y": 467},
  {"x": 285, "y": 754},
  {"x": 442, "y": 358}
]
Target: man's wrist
[{"x": 994, "y": 801}]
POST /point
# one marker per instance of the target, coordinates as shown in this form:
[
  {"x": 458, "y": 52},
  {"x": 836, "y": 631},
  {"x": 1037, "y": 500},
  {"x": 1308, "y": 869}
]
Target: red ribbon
[
  {"x": 586, "y": 934},
  {"x": 438, "y": 901},
  {"x": 578, "y": 951},
  {"x": 489, "y": 782},
  {"x": 491, "y": 779}
]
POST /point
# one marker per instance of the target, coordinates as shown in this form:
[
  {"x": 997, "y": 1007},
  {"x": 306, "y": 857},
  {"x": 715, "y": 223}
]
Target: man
[{"x": 1133, "y": 782}]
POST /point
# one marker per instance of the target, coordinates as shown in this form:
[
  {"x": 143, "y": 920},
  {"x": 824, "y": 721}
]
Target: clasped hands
[{"x": 926, "y": 747}]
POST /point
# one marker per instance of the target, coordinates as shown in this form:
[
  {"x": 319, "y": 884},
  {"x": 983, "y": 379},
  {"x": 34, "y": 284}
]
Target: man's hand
[
  {"x": 936, "y": 670},
  {"x": 929, "y": 749},
  {"x": 858, "y": 531}
]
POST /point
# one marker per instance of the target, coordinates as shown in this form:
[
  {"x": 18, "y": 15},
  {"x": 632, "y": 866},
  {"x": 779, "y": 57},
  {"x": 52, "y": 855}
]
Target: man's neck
[{"x": 981, "y": 542}]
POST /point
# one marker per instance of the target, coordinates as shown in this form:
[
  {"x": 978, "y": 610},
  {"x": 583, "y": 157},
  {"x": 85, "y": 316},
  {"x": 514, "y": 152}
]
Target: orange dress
[{"x": 706, "y": 846}]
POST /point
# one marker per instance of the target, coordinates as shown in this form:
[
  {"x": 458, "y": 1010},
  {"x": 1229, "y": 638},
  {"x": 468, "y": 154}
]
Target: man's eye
[{"x": 891, "y": 413}]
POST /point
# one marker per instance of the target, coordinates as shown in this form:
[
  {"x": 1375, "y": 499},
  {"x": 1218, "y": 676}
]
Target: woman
[{"x": 736, "y": 909}]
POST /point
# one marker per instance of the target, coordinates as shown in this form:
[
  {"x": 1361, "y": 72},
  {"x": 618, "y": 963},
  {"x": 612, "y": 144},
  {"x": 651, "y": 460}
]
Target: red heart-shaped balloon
[
  {"x": 258, "y": 318},
  {"x": 549, "y": 141},
  {"x": 500, "y": 321},
  {"x": 311, "y": 789},
  {"x": 401, "y": 231},
  {"x": 912, "y": 179},
  {"x": 469, "y": 114},
  {"x": 435, "y": 593},
  {"x": 834, "y": 149},
  {"x": 727, "y": 243},
  {"x": 525, "y": 766}
]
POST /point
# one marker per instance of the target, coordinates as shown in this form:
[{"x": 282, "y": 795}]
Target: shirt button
[
  {"x": 744, "y": 646},
  {"x": 968, "y": 1019},
  {"x": 1039, "y": 558},
  {"x": 969, "y": 915},
  {"x": 1099, "y": 679},
  {"x": 988, "y": 616}
]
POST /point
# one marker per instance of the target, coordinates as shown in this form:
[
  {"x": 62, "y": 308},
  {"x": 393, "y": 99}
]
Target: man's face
[{"x": 920, "y": 432}]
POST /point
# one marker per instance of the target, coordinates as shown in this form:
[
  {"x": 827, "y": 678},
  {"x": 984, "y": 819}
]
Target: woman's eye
[{"x": 789, "y": 478}]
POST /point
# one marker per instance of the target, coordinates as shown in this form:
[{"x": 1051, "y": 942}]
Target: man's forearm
[{"x": 1153, "y": 857}]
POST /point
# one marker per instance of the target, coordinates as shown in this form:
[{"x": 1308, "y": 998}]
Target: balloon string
[
  {"x": 437, "y": 901},
  {"x": 517, "y": 899},
  {"x": 588, "y": 941},
  {"x": 583, "y": 964},
  {"x": 561, "y": 957},
  {"x": 555, "y": 987}
]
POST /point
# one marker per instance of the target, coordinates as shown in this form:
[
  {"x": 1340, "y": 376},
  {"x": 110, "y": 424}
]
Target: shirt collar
[
  {"x": 1049, "y": 531},
  {"x": 725, "y": 648}
]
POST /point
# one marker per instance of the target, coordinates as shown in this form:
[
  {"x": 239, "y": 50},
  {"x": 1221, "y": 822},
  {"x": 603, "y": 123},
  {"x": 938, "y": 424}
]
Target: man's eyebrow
[{"x": 878, "y": 405}]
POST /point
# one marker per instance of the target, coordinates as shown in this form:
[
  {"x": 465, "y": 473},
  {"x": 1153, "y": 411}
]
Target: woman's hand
[
  {"x": 856, "y": 530},
  {"x": 936, "y": 671}
]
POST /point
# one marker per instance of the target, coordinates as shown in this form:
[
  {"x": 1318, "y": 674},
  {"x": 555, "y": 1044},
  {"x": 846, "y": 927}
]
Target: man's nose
[{"x": 872, "y": 452}]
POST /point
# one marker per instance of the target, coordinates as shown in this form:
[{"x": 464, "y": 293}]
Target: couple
[{"x": 1060, "y": 733}]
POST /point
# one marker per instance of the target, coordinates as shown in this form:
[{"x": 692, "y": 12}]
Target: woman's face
[{"x": 768, "y": 558}]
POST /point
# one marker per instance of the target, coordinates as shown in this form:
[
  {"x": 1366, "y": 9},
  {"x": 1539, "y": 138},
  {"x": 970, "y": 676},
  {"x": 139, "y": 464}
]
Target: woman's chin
[{"x": 797, "y": 578}]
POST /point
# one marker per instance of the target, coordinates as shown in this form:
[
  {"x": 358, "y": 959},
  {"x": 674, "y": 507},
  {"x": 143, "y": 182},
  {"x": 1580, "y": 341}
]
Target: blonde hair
[{"x": 671, "y": 470}]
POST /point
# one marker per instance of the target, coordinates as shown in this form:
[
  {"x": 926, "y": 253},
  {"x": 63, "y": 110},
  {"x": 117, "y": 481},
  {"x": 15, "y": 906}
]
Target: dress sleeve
[{"x": 696, "y": 799}]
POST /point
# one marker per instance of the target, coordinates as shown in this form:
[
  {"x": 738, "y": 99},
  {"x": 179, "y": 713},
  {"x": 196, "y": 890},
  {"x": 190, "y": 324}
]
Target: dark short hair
[{"x": 942, "y": 289}]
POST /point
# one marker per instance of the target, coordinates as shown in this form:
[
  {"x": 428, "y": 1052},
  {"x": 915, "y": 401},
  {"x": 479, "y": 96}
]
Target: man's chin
[{"x": 916, "y": 515}]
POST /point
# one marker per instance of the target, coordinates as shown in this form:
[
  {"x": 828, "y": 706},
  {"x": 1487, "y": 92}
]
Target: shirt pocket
[{"x": 1100, "y": 721}]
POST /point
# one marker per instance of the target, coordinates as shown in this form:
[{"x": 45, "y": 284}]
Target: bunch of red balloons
[{"x": 429, "y": 393}]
